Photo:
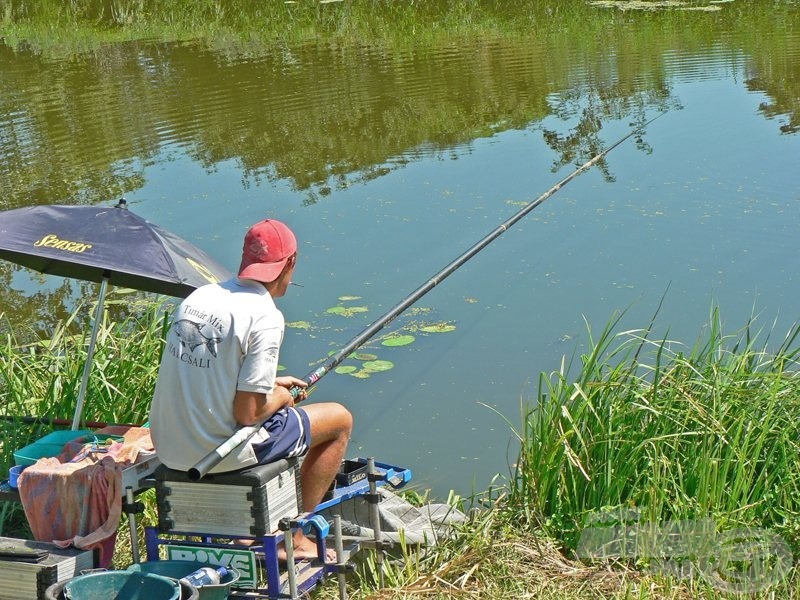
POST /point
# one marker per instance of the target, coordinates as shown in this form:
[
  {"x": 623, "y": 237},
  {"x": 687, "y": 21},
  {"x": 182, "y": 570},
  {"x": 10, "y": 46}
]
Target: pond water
[{"x": 391, "y": 160}]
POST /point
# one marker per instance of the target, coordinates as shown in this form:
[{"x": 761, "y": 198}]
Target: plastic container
[
  {"x": 177, "y": 569},
  {"x": 350, "y": 472},
  {"x": 47, "y": 446},
  {"x": 116, "y": 585},
  {"x": 62, "y": 437},
  {"x": 56, "y": 592},
  {"x": 24, "y": 457},
  {"x": 205, "y": 576},
  {"x": 13, "y": 474}
]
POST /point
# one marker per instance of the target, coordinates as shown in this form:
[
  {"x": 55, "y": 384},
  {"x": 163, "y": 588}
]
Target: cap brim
[{"x": 264, "y": 272}]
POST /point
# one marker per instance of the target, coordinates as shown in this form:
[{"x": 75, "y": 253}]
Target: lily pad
[
  {"x": 346, "y": 311},
  {"x": 362, "y": 374},
  {"x": 398, "y": 340},
  {"x": 363, "y": 356},
  {"x": 438, "y": 328},
  {"x": 345, "y": 369},
  {"x": 348, "y": 298},
  {"x": 376, "y": 366},
  {"x": 299, "y": 325}
]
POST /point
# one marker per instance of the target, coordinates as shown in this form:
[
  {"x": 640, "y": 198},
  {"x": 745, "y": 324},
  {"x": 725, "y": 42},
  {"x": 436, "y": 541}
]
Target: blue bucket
[
  {"x": 121, "y": 585},
  {"x": 56, "y": 591}
]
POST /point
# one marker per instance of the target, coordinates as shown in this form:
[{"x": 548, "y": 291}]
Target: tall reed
[
  {"x": 42, "y": 378},
  {"x": 712, "y": 433}
]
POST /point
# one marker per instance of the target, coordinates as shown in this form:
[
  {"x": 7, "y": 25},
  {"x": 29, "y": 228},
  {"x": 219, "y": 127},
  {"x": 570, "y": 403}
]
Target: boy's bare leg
[{"x": 331, "y": 425}]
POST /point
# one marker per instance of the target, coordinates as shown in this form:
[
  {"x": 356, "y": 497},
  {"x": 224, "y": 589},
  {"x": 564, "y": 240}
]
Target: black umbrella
[{"x": 104, "y": 244}]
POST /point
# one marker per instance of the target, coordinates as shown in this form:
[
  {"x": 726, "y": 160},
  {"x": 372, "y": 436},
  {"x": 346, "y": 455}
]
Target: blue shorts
[{"x": 289, "y": 435}]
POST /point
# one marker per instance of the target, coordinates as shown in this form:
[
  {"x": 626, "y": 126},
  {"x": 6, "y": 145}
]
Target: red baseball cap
[{"x": 267, "y": 247}]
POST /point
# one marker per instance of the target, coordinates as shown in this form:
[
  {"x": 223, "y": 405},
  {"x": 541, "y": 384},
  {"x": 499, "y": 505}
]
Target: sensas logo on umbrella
[{"x": 52, "y": 241}]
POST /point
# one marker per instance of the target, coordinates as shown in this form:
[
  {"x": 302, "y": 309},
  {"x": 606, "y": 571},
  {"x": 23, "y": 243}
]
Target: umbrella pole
[{"x": 87, "y": 367}]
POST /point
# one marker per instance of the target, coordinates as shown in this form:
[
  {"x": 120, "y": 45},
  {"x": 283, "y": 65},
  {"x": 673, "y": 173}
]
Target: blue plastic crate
[{"x": 47, "y": 446}]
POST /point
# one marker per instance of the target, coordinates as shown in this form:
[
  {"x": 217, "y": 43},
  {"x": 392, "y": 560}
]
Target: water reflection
[{"x": 323, "y": 116}]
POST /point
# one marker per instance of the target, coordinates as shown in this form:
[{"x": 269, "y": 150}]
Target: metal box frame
[
  {"x": 247, "y": 503},
  {"x": 21, "y": 579}
]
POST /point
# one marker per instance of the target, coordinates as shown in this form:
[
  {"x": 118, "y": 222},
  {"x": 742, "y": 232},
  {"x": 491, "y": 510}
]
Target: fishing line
[{"x": 214, "y": 457}]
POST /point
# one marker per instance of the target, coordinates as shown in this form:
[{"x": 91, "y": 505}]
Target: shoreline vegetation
[
  {"x": 55, "y": 26},
  {"x": 631, "y": 447}
]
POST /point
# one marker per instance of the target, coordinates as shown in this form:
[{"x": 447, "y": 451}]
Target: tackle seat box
[
  {"x": 28, "y": 568},
  {"x": 245, "y": 503}
]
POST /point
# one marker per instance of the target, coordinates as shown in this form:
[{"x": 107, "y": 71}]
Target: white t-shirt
[{"x": 224, "y": 337}]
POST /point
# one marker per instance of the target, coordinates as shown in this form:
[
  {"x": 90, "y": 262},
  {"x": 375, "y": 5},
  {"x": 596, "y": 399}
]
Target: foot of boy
[{"x": 305, "y": 549}]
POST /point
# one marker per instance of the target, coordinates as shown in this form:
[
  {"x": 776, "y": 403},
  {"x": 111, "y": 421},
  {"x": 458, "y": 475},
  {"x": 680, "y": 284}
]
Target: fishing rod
[{"x": 243, "y": 434}]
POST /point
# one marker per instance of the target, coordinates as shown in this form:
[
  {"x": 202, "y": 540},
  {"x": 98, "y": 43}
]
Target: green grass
[
  {"x": 708, "y": 433},
  {"x": 55, "y": 26}
]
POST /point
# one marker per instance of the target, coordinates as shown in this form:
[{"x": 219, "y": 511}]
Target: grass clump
[
  {"x": 679, "y": 455},
  {"x": 708, "y": 433}
]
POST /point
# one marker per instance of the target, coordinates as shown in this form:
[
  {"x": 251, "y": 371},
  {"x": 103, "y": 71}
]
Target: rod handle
[{"x": 213, "y": 458}]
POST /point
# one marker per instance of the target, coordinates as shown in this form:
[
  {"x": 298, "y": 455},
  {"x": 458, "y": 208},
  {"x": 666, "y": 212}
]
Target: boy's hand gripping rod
[{"x": 214, "y": 457}]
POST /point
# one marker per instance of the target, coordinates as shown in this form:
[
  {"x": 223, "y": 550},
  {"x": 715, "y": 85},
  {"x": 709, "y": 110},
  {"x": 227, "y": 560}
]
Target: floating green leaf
[
  {"x": 345, "y": 369},
  {"x": 348, "y": 298},
  {"x": 299, "y": 325},
  {"x": 345, "y": 311},
  {"x": 398, "y": 340},
  {"x": 363, "y": 356},
  {"x": 438, "y": 328},
  {"x": 376, "y": 366},
  {"x": 362, "y": 374}
]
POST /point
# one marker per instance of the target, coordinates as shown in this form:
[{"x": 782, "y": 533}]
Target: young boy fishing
[{"x": 219, "y": 373}]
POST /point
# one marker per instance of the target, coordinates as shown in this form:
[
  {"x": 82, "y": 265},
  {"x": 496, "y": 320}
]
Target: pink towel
[{"x": 75, "y": 499}]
